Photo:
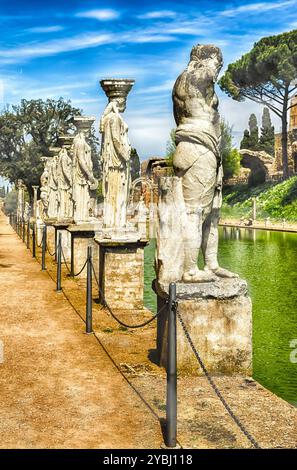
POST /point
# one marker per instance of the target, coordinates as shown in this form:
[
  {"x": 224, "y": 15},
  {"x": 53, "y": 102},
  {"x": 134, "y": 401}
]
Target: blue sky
[{"x": 63, "y": 48}]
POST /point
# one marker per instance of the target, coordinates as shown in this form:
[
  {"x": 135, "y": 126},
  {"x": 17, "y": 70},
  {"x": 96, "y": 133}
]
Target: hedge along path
[{"x": 58, "y": 387}]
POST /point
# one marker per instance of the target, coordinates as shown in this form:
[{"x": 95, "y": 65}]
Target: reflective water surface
[{"x": 268, "y": 261}]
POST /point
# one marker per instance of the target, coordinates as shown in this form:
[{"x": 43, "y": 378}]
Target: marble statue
[
  {"x": 52, "y": 165},
  {"x": 64, "y": 178},
  {"x": 198, "y": 172},
  {"x": 115, "y": 154},
  {"x": 20, "y": 199},
  {"x": 84, "y": 182},
  {"x": 44, "y": 189}
]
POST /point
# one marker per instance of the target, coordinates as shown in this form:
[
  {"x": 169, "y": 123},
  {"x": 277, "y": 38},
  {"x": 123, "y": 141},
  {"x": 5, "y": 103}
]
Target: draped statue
[
  {"x": 84, "y": 182},
  {"x": 52, "y": 165},
  {"x": 44, "y": 190},
  {"x": 64, "y": 183},
  {"x": 115, "y": 154}
]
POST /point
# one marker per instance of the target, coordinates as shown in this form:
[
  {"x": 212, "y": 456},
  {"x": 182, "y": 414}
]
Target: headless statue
[{"x": 197, "y": 161}]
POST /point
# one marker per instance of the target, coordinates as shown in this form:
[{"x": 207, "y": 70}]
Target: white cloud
[
  {"x": 101, "y": 15},
  {"x": 157, "y": 15},
  {"x": 45, "y": 29},
  {"x": 257, "y": 7}
]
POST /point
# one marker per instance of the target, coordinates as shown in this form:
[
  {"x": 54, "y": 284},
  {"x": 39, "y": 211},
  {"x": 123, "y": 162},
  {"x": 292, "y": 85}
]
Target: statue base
[
  {"x": 51, "y": 234},
  {"x": 121, "y": 271},
  {"x": 218, "y": 317},
  {"x": 82, "y": 236},
  {"x": 60, "y": 227}
]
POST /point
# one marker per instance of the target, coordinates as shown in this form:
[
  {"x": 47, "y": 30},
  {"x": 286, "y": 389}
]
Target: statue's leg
[
  {"x": 195, "y": 184},
  {"x": 210, "y": 241}
]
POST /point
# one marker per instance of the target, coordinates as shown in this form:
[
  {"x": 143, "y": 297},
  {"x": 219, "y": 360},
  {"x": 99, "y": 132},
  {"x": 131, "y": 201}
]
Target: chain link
[
  {"x": 213, "y": 385},
  {"x": 51, "y": 254}
]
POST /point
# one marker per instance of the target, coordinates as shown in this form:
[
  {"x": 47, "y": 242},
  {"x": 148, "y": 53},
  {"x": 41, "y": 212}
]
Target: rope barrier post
[
  {"x": 28, "y": 231},
  {"x": 89, "y": 312},
  {"x": 24, "y": 230},
  {"x": 43, "y": 268},
  {"x": 59, "y": 263},
  {"x": 33, "y": 241},
  {"x": 171, "y": 403}
]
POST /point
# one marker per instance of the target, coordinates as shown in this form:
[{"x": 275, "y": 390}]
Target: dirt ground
[{"x": 62, "y": 388}]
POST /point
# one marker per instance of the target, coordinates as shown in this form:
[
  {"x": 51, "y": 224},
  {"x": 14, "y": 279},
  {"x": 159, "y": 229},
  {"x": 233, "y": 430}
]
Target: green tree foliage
[
  {"x": 254, "y": 132},
  {"x": 245, "y": 143},
  {"x": 135, "y": 164},
  {"x": 267, "y": 75},
  {"x": 230, "y": 155},
  {"x": 28, "y": 130},
  {"x": 266, "y": 141},
  {"x": 170, "y": 148},
  {"x": 10, "y": 202}
]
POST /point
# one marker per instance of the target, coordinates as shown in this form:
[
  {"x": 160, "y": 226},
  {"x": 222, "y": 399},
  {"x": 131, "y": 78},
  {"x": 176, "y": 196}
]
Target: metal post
[
  {"x": 89, "y": 292},
  {"x": 24, "y": 229},
  {"x": 59, "y": 264},
  {"x": 171, "y": 404},
  {"x": 33, "y": 241},
  {"x": 43, "y": 268},
  {"x": 28, "y": 231}
]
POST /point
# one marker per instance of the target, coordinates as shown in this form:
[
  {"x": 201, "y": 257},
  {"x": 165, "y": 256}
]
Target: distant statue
[
  {"x": 84, "y": 182},
  {"x": 198, "y": 169},
  {"x": 64, "y": 178},
  {"x": 20, "y": 199},
  {"x": 115, "y": 154},
  {"x": 52, "y": 166},
  {"x": 44, "y": 190}
]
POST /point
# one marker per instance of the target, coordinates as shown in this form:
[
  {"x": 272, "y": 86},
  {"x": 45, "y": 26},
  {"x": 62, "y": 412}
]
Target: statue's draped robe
[
  {"x": 53, "y": 188},
  {"x": 115, "y": 156},
  {"x": 65, "y": 208},
  {"x": 82, "y": 178}
]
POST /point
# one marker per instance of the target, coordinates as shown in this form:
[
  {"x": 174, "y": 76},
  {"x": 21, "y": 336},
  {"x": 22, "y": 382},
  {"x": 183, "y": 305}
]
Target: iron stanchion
[
  {"x": 43, "y": 268},
  {"x": 89, "y": 328},
  {"x": 59, "y": 264},
  {"x": 28, "y": 231},
  {"x": 171, "y": 403},
  {"x": 33, "y": 241},
  {"x": 24, "y": 230}
]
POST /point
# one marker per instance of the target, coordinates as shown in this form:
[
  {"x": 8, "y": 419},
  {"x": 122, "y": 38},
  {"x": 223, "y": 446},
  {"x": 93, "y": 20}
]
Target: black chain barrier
[
  {"x": 51, "y": 254},
  {"x": 105, "y": 304},
  {"x": 67, "y": 266},
  {"x": 213, "y": 385}
]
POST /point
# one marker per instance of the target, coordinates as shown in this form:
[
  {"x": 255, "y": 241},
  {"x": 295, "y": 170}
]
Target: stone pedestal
[
  {"x": 82, "y": 236},
  {"x": 61, "y": 228},
  {"x": 51, "y": 235},
  {"x": 218, "y": 317},
  {"x": 121, "y": 272}
]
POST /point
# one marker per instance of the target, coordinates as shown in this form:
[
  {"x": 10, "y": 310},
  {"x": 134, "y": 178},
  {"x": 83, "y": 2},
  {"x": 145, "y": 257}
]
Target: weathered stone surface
[
  {"x": 115, "y": 153},
  {"x": 64, "y": 178},
  {"x": 121, "y": 273},
  {"x": 219, "y": 289},
  {"x": 218, "y": 317},
  {"x": 84, "y": 182},
  {"x": 190, "y": 210}
]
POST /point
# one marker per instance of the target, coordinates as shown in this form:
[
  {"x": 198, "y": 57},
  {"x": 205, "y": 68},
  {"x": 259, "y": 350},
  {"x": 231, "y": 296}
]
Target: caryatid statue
[
  {"x": 115, "y": 153},
  {"x": 83, "y": 180},
  {"x": 52, "y": 165},
  {"x": 64, "y": 177},
  {"x": 20, "y": 199},
  {"x": 197, "y": 161},
  {"x": 44, "y": 189}
]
